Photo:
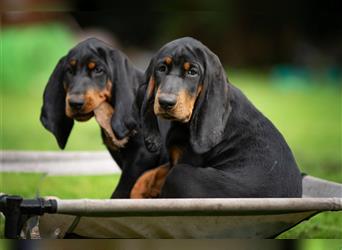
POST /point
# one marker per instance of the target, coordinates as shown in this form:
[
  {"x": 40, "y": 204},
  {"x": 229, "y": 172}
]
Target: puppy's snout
[
  {"x": 76, "y": 102},
  {"x": 167, "y": 101}
]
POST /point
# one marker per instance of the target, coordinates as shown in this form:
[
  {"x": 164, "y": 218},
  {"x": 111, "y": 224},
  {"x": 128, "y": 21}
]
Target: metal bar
[
  {"x": 18, "y": 210},
  {"x": 129, "y": 207}
]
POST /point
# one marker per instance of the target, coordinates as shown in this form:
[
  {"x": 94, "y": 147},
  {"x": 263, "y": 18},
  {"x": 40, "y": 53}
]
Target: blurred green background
[
  {"x": 304, "y": 103},
  {"x": 306, "y": 109}
]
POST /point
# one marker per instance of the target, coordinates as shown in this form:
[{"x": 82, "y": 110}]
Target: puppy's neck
[{"x": 103, "y": 115}]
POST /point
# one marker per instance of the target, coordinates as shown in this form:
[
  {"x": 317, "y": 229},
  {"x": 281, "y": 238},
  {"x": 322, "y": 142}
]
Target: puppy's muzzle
[
  {"x": 167, "y": 102},
  {"x": 76, "y": 102}
]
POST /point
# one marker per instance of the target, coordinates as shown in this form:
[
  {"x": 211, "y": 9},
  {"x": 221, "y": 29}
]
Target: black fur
[
  {"x": 128, "y": 89},
  {"x": 229, "y": 148}
]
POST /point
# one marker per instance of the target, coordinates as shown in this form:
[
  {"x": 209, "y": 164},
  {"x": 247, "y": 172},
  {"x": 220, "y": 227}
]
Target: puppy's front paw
[{"x": 149, "y": 185}]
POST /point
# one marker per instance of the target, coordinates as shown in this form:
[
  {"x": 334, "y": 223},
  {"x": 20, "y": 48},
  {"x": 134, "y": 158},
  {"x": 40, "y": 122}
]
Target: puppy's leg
[
  {"x": 186, "y": 181},
  {"x": 149, "y": 185}
]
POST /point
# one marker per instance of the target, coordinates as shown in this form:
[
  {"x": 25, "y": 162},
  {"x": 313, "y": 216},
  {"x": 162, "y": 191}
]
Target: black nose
[
  {"x": 167, "y": 101},
  {"x": 76, "y": 104}
]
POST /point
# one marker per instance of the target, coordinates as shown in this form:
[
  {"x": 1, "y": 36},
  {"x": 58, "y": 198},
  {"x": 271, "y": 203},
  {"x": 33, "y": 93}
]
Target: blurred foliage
[
  {"x": 29, "y": 53},
  {"x": 244, "y": 33}
]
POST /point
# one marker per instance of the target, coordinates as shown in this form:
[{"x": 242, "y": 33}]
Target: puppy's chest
[{"x": 180, "y": 150}]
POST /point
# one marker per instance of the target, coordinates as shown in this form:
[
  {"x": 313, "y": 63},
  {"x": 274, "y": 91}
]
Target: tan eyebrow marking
[
  {"x": 72, "y": 62},
  {"x": 186, "y": 66},
  {"x": 168, "y": 60},
  {"x": 91, "y": 65}
]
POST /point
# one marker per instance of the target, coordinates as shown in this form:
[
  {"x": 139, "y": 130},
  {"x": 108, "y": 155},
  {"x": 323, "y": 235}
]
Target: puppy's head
[
  {"x": 178, "y": 77},
  {"x": 87, "y": 79},
  {"x": 89, "y": 75},
  {"x": 187, "y": 84}
]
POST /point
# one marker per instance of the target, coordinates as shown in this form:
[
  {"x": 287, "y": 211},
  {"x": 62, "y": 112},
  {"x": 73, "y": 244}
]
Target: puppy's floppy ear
[
  {"x": 149, "y": 120},
  {"x": 125, "y": 81},
  {"x": 212, "y": 109},
  {"x": 53, "y": 111}
]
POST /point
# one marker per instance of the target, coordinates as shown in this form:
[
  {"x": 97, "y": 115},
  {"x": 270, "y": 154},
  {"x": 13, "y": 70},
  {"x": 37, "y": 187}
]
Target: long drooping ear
[
  {"x": 125, "y": 82},
  {"x": 212, "y": 108},
  {"x": 150, "y": 127},
  {"x": 53, "y": 111}
]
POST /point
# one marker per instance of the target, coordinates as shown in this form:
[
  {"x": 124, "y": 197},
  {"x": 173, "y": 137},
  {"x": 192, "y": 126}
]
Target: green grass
[
  {"x": 320, "y": 244},
  {"x": 22, "y": 129},
  {"x": 29, "y": 185},
  {"x": 327, "y": 225}
]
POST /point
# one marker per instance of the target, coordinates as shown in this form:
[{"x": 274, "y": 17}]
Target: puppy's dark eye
[
  {"x": 98, "y": 70},
  {"x": 162, "y": 68},
  {"x": 192, "y": 72},
  {"x": 69, "y": 70}
]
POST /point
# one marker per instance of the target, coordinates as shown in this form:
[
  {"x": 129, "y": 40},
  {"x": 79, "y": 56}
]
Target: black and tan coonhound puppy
[
  {"x": 219, "y": 144},
  {"x": 94, "y": 79}
]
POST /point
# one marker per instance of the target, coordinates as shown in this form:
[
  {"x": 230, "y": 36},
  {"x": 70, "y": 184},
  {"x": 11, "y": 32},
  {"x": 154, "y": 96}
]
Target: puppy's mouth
[
  {"x": 82, "y": 117},
  {"x": 170, "y": 116},
  {"x": 167, "y": 116}
]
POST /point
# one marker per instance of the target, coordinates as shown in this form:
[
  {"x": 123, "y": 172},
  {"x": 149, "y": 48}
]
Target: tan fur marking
[
  {"x": 103, "y": 115},
  {"x": 150, "y": 88},
  {"x": 186, "y": 105},
  {"x": 65, "y": 87},
  {"x": 168, "y": 60},
  {"x": 156, "y": 107},
  {"x": 183, "y": 109},
  {"x": 97, "y": 104},
  {"x": 91, "y": 65},
  {"x": 199, "y": 89},
  {"x": 150, "y": 183},
  {"x": 175, "y": 153},
  {"x": 186, "y": 66},
  {"x": 68, "y": 110},
  {"x": 73, "y": 62},
  {"x": 92, "y": 98}
]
